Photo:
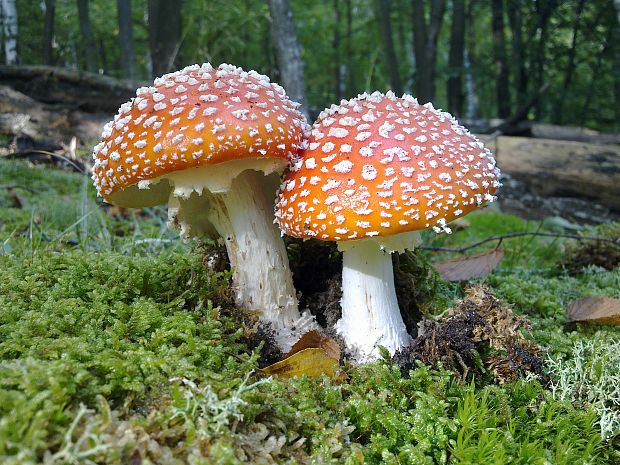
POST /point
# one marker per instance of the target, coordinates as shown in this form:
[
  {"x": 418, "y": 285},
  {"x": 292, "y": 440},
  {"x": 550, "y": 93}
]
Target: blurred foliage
[{"x": 237, "y": 31}]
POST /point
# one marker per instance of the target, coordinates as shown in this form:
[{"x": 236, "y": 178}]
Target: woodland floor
[{"x": 119, "y": 345}]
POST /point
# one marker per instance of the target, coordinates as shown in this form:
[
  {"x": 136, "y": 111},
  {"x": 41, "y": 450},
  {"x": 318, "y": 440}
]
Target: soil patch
[{"x": 479, "y": 335}]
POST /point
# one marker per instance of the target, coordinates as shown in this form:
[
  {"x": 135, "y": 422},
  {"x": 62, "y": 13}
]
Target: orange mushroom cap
[
  {"x": 194, "y": 117},
  {"x": 379, "y": 165}
]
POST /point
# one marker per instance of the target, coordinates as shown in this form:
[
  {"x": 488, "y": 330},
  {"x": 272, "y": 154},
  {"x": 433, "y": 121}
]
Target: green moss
[
  {"x": 116, "y": 346},
  {"x": 75, "y": 325}
]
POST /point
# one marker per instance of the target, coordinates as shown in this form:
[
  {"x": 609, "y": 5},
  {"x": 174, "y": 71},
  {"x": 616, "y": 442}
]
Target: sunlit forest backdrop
[{"x": 558, "y": 60}]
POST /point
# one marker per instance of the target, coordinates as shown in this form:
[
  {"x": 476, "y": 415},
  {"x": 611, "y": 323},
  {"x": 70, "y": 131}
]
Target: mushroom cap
[
  {"x": 379, "y": 165},
  {"x": 191, "y": 118}
]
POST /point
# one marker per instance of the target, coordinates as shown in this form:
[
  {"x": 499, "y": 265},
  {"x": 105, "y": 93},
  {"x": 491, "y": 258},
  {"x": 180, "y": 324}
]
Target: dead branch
[{"x": 501, "y": 237}]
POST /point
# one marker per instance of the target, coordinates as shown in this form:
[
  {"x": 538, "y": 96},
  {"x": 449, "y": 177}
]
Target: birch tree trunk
[
  {"x": 455, "y": 61},
  {"x": 125, "y": 37},
  {"x": 391, "y": 63},
  {"x": 288, "y": 52},
  {"x": 10, "y": 31},
  {"x": 88, "y": 39}
]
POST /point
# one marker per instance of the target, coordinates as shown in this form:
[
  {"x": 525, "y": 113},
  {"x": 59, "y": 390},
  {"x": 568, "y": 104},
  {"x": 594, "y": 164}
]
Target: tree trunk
[
  {"x": 544, "y": 9},
  {"x": 48, "y": 32},
  {"x": 88, "y": 45},
  {"x": 473, "y": 102},
  {"x": 164, "y": 34},
  {"x": 596, "y": 69},
  {"x": 103, "y": 54},
  {"x": 125, "y": 37},
  {"x": 570, "y": 66},
  {"x": 290, "y": 63},
  {"x": 10, "y": 31},
  {"x": 351, "y": 80},
  {"x": 336, "y": 43},
  {"x": 455, "y": 63},
  {"x": 617, "y": 64},
  {"x": 391, "y": 63},
  {"x": 518, "y": 52},
  {"x": 501, "y": 66},
  {"x": 86, "y": 91},
  {"x": 425, "y": 38}
]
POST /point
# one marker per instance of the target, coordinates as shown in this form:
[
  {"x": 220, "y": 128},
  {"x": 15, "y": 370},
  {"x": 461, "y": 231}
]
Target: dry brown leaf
[
  {"x": 595, "y": 310},
  {"x": 312, "y": 362},
  {"x": 475, "y": 266},
  {"x": 315, "y": 340}
]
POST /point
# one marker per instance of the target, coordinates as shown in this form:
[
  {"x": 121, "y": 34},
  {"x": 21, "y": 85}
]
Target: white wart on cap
[
  {"x": 376, "y": 170},
  {"x": 192, "y": 118},
  {"x": 379, "y": 165},
  {"x": 196, "y": 140}
]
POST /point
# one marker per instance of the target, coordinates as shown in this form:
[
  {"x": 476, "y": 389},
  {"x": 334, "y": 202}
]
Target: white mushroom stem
[
  {"x": 261, "y": 275},
  {"x": 370, "y": 313}
]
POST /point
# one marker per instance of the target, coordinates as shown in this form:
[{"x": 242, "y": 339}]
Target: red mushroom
[
  {"x": 377, "y": 170},
  {"x": 197, "y": 140}
]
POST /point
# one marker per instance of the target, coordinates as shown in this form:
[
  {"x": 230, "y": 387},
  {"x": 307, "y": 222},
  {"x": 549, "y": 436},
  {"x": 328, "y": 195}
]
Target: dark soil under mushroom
[{"x": 480, "y": 335}]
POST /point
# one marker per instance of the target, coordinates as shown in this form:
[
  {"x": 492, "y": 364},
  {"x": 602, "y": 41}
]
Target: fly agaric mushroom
[
  {"x": 197, "y": 140},
  {"x": 377, "y": 170}
]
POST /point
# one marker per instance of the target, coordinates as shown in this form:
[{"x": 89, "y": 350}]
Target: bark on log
[
  {"x": 561, "y": 168},
  {"x": 542, "y": 131},
  {"x": 87, "y": 91},
  {"x": 567, "y": 133},
  {"x": 30, "y": 125}
]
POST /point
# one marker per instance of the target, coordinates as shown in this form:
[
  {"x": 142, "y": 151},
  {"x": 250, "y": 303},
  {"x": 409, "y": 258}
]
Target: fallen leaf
[
  {"x": 315, "y": 340},
  {"x": 312, "y": 362},
  {"x": 475, "y": 266},
  {"x": 595, "y": 310}
]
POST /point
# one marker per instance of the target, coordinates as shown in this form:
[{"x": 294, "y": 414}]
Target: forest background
[{"x": 557, "y": 61}]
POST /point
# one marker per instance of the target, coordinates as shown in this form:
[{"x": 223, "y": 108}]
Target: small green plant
[
  {"x": 202, "y": 409},
  {"x": 88, "y": 445},
  {"x": 591, "y": 376}
]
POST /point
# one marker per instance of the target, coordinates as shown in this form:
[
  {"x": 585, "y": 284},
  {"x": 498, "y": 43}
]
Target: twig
[
  {"x": 615, "y": 242},
  {"x": 78, "y": 168}
]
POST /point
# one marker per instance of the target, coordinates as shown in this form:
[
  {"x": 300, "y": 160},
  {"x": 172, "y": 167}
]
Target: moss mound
[{"x": 118, "y": 345}]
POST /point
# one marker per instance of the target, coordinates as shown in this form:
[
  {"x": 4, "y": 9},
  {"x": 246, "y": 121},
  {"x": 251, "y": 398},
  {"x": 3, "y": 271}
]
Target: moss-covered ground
[{"x": 118, "y": 346}]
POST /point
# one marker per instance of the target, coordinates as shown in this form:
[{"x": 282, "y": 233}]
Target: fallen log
[
  {"x": 566, "y": 133},
  {"x": 86, "y": 91},
  {"x": 562, "y": 168},
  {"x": 43, "y": 125}
]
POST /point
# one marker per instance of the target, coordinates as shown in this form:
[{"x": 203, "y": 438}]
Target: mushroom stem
[
  {"x": 261, "y": 274},
  {"x": 370, "y": 313}
]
